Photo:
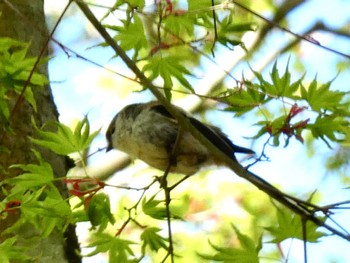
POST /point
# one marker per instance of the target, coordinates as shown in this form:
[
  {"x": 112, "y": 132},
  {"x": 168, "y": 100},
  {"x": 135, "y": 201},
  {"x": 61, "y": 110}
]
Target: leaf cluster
[
  {"x": 36, "y": 199},
  {"x": 11, "y": 253},
  {"x": 33, "y": 194},
  {"x": 15, "y": 68},
  {"x": 290, "y": 225},
  {"x": 312, "y": 107},
  {"x": 167, "y": 41},
  {"x": 64, "y": 140}
]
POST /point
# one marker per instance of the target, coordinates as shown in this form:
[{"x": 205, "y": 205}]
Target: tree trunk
[{"x": 25, "y": 21}]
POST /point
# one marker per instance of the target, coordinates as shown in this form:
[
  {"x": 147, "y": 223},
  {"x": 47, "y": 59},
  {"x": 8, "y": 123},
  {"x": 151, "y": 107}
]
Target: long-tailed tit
[{"x": 147, "y": 131}]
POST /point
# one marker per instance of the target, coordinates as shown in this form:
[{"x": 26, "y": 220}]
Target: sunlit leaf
[
  {"x": 241, "y": 101},
  {"x": 168, "y": 67},
  {"x": 99, "y": 211},
  {"x": 247, "y": 253},
  {"x": 153, "y": 240},
  {"x": 131, "y": 35},
  {"x": 280, "y": 86},
  {"x": 331, "y": 128},
  {"x": 65, "y": 140},
  {"x": 154, "y": 208},
  {"x": 10, "y": 252},
  {"x": 289, "y": 225},
  {"x": 321, "y": 97},
  {"x": 35, "y": 176},
  {"x": 118, "y": 249},
  {"x": 230, "y": 32}
]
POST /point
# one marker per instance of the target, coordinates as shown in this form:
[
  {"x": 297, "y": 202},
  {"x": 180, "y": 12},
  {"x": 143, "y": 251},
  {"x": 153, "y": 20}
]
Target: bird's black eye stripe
[{"x": 111, "y": 130}]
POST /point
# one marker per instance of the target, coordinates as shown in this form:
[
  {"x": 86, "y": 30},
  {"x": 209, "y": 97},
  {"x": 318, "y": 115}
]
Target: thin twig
[
  {"x": 215, "y": 29},
  {"x": 276, "y": 25},
  {"x": 304, "y": 229},
  {"x": 167, "y": 190}
]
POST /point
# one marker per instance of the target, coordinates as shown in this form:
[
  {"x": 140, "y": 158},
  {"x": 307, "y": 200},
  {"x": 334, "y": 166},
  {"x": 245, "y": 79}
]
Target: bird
[{"x": 148, "y": 131}]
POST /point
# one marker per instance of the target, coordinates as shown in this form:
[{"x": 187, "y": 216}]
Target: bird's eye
[{"x": 112, "y": 130}]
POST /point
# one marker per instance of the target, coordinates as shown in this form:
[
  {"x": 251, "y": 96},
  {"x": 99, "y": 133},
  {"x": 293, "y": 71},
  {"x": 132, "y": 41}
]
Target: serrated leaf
[
  {"x": 15, "y": 69},
  {"x": 35, "y": 176},
  {"x": 153, "y": 240},
  {"x": 262, "y": 130},
  {"x": 118, "y": 249},
  {"x": 244, "y": 100},
  {"x": 246, "y": 242},
  {"x": 131, "y": 35},
  {"x": 154, "y": 208},
  {"x": 65, "y": 140},
  {"x": 48, "y": 212},
  {"x": 99, "y": 211},
  {"x": 230, "y": 33},
  {"x": 179, "y": 25},
  {"x": 231, "y": 254},
  {"x": 6, "y": 43},
  {"x": 43, "y": 208},
  {"x": 289, "y": 225},
  {"x": 321, "y": 97},
  {"x": 168, "y": 67},
  {"x": 280, "y": 86},
  {"x": 330, "y": 127},
  {"x": 10, "y": 252},
  {"x": 30, "y": 98}
]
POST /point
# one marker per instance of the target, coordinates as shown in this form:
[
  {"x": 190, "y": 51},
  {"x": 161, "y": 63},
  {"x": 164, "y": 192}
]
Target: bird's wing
[
  {"x": 235, "y": 148},
  {"x": 212, "y": 133}
]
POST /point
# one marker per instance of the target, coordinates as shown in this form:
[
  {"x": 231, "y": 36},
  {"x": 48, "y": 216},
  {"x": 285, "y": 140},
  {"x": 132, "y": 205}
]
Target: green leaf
[
  {"x": 9, "y": 252},
  {"x": 45, "y": 214},
  {"x": 28, "y": 94},
  {"x": 15, "y": 69},
  {"x": 168, "y": 67},
  {"x": 118, "y": 249},
  {"x": 248, "y": 253},
  {"x": 330, "y": 127},
  {"x": 289, "y": 225},
  {"x": 131, "y": 35},
  {"x": 153, "y": 240},
  {"x": 244, "y": 100},
  {"x": 281, "y": 86},
  {"x": 179, "y": 25},
  {"x": 152, "y": 208},
  {"x": 44, "y": 209},
  {"x": 4, "y": 110},
  {"x": 40, "y": 202},
  {"x": 322, "y": 97},
  {"x": 35, "y": 176},
  {"x": 230, "y": 33},
  {"x": 272, "y": 128},
  {"x": 199, "y": 5},
  {"x": 99, "y": 211},
  {"x": 65, "y": 140},
  {"x": 246, "y": 242},
  {"x": 6, "y": 43}
]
